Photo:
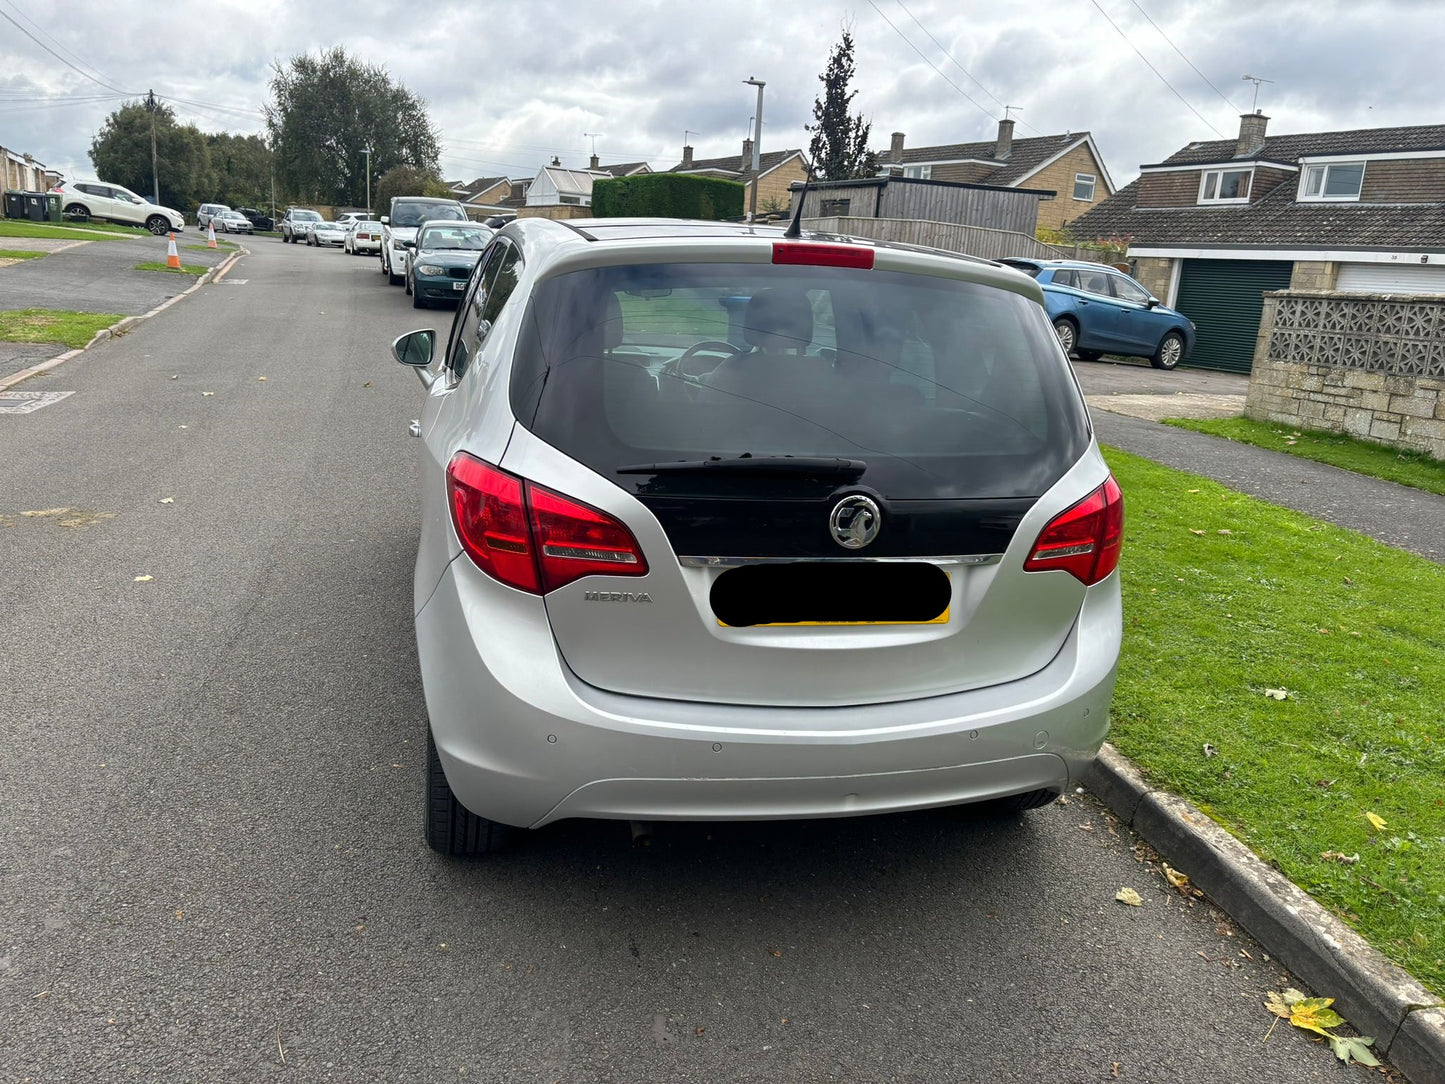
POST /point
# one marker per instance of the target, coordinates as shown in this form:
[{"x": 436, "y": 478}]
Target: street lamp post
[
  {"x": 757, "y": 146},
  {"x": 367, "y": 151}
]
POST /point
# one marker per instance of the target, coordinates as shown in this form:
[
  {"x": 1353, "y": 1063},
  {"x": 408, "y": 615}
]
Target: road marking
[
  {"x": 232, "y": 282},
  {"x": 26, "y": 402}
]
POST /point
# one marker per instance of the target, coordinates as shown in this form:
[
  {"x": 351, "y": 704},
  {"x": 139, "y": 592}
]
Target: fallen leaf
[
  {"x": 1210, "y": 751},
  {"x": 47, "y": 512},
  {"x": 1376, "y": 820},
  {"x": 144, "y": 579},
  {"x": 1277, "y": 694},
  {"x": 1340, "y": 857},
  {"x": 260, "y": 378},
  {"x": 1314, "y": 1014},
  {"x": 1174, "y": 877},
  {"x": 180, "y": 915},
  {"x": 1347, "y": 1047},
  {"x": 208, "y": 393},
  {"x": 1192, "y": 491},
  {"x": 1224, "y": 530},
  {"x": 168, "y": 500},
  {"x": 176, "y": 376},
  {"x": 1129, "y": 896},
  {"x": 367, "y": 384},
  {"x": 774, "y": 952},
  {"x": 1193, "y": 531}
]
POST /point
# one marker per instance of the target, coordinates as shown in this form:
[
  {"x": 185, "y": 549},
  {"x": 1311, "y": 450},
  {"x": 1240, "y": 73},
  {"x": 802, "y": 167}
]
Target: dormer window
[
  {"x": 1336, "y": 181},
  {"x": 1225, "y": 186},
  {"x": 921, "y": 173}
]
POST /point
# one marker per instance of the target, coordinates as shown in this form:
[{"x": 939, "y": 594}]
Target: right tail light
[
  {"x": 1084, "y": 539},
  {"x": 532, "y": 538}
]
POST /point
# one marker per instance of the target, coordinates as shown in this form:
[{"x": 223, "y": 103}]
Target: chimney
[
  {"x": 556, "y": 161},
  {"x": 594, "y": 163},
  {"x": 1005, "y": 144},
  {"x": 1251, "y": 134},
  {"x": 895, "y": 156},
  {"x": 686, "y": 158},
  {"x": 747, "y": 155}
]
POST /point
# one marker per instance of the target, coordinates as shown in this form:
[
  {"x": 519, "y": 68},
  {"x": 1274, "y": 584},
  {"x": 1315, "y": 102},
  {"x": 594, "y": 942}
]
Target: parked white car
[
  {"x": 113, "y": 203},
  {"x": 398, "y": 229},
  {"x": 232, "y": 222},
  {"x": 363, "y": 238}
]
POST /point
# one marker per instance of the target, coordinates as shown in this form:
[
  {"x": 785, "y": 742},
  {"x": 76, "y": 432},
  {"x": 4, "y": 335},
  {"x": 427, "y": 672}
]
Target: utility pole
[
  {"x": 367, "y": 151},
  {"x": 155, "y": 173},
  {"x": 757, "y": 146}
]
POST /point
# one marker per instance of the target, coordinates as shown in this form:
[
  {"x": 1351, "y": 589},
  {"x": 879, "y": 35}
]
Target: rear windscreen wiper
[{"x": 815, "y": 466}]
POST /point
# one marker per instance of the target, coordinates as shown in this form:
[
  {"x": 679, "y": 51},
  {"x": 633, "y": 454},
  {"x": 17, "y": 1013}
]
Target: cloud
[{"x": 512, "y": 85}]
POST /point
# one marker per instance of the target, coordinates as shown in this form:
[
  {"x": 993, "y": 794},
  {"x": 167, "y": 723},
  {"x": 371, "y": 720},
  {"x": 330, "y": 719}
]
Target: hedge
[{"x": 667, "y": 195}]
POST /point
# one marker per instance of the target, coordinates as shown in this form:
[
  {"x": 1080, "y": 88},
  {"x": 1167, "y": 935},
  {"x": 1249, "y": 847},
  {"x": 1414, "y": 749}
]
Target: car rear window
[{"x": 946, "y": 389}]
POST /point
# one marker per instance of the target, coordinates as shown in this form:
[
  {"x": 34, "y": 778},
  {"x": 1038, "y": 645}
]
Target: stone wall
[
  {"x": 1154, "y": 272},
  {"x": 1369, "y": 365},
  {"x": 1314, "y": 275}
]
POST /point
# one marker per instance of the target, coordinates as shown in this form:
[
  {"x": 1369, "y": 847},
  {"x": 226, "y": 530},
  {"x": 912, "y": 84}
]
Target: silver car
[
  {"x": 325, "y": 233},
  {"x": 719, "y": 523}
]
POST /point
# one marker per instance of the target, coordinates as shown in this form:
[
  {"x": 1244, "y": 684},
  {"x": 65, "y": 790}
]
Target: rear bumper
[{"x": 525, "y": 742}]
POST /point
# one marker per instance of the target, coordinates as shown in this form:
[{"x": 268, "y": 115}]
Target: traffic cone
[
  {"x": 211, "y": 234},
  {"x": 173, "y": 258}
]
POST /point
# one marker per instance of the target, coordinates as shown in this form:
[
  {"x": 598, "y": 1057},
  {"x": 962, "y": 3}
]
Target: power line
[
  {"x": 979, "y": 106},
  {"x": 957, "y": 65},
  {"x": 67, "y": 63},
  {"x": 1153, "y": 69},
  {"x": 56, "y": 41},
  {"x": 1183, "y": 57}
]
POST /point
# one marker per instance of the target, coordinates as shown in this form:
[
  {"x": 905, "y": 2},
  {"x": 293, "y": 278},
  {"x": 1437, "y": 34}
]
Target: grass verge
[
  {"x": 74, "y": 329},
  {"x": 1361, "y": 456},
  {"x": 19, "y": 254},
  {"x": 94, "y": 231},
  {"x": 1226, "y": 597},
  {"x": 221, "y": 246},
  {"x": 184, "y": 269}
]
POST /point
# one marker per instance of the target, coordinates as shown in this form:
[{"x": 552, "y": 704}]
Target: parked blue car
[{"x": 1096, "y": 310}]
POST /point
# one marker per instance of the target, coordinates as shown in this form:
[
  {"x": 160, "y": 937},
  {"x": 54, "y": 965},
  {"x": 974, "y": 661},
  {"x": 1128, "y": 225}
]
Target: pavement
[
  {"x": 211, "y": 863},
  {"x": 90, "y": 276}
]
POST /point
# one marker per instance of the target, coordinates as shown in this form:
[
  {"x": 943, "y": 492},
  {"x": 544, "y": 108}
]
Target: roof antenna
[
  {"x": 1256, "y": 80},
  {"x": 795, "y": 227}
]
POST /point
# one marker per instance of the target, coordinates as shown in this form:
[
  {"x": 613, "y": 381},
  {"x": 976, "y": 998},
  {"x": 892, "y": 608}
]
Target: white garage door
[{"x": 1391, "y": 278}]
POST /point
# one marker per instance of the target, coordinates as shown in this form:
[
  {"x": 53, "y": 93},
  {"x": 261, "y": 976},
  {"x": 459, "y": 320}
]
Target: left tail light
[
  {"x": 530, "y": 537},
  {"x": 1084, "y": 539}
]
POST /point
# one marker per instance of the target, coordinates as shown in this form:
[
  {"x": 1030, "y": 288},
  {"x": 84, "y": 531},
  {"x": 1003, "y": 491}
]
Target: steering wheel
[{"x": 679, "y": 367}]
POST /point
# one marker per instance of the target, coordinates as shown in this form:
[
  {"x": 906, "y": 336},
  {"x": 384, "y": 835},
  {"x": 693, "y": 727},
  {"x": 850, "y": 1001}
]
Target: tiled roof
[
  {"x": 624, "y": 169},
  {"x": 481, "y": 184},
  {"x": 733, "y": 163},
  {"x": 1025, "y": 155},
  {"x": 1275, "y": 221},
  {"x": 1290, "y": 148}
]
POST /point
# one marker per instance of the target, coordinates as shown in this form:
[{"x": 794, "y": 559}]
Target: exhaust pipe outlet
[{"x": 642, "y": 833}]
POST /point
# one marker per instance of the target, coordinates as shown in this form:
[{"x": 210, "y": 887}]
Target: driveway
[
  {"x": 1141, "y": 391},
  {"x": 212, "y": 857},
  {"x": 91, "y": 276}
]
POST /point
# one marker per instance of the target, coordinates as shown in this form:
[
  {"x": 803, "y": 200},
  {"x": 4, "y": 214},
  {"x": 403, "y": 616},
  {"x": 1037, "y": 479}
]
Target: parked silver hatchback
[{"x": 719, "y": 523}]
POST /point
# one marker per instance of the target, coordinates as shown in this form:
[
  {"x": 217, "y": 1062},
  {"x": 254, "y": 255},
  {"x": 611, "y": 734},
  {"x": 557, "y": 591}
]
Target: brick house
[
  {"x": 1217, "y": 224},
  {"x": 1069, "y": 164},
  {"x": 777, "y": 171},
  {"x": 483, "y": 196}
]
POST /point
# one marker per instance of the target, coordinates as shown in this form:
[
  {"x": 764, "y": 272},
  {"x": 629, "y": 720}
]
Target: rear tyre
[
  {"x": 78, "y": 211},
  {"x": 1089, "y": 355},
  {"x": 451, "y": 828},
  {"x": 1068, "y": 334},
  {"x": 392, "y": 277},
  {"x": 1016, "y": 804},
  {"x": 1170, "y": 352},
  {"x": 158, "y": 225}
]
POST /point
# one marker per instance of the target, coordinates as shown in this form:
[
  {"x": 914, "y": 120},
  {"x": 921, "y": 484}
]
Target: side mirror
[
  {"x": 1153, "y": 303},
  {"x": 415, "y": 348},
  {"x": 385, "y": 220}
]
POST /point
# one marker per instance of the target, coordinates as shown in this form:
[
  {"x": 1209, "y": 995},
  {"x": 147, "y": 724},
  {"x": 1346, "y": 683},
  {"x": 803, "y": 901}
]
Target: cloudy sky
[{"x": 511, "y": 84}]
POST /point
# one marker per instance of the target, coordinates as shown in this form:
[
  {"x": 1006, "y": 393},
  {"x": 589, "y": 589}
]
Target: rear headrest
[
  {"x": 779, "y": 319},
  {"x": 612, "y": 328}
]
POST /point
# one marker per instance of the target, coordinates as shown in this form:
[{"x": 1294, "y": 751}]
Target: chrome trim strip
[{"x": 734, "y": 562}]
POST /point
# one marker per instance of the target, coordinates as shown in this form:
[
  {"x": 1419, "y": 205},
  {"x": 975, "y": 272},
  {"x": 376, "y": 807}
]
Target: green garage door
[{"x": 1225, "y": 298}]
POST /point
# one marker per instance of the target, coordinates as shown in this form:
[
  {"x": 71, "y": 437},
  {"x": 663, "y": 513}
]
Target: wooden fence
[{"x": 978, "y": 241}]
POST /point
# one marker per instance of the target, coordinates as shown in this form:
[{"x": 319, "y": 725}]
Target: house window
[
  {"x": 1225, "y": 186},
  {"x": 921, "y": 173},
  {"x": 835, "y": 208},
  {"x": 569, "y": 199},
  {"x": 1084, "y": 187},
  {"x": 1339, "y": 180}
]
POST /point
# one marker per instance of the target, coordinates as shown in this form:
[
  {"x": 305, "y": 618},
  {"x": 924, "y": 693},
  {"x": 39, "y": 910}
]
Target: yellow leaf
[
  {"x": 1174, "y": 877},
  {"x": 1129, "y": 896},
  {"x": 1376, "y": 820},
  {"x": 260, "y": 378},
  {"x": 144, "y": 579},
  {"x": 1193, "y": 531}
]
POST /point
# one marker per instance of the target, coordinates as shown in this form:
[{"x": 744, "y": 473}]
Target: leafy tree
[
  {"x": 121, "y": 154},
  {"x": 242, "y": 166},
  {"x": 839, "y": 147},
  {"x": 407, "y": 181},
  {"x": 326, "y": 109}
]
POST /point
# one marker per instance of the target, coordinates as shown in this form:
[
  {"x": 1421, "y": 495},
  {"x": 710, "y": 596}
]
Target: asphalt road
[{"x": 211, "y": 865}]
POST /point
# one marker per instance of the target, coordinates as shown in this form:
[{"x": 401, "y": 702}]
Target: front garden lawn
[{"x": 1227, "y": 597}]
